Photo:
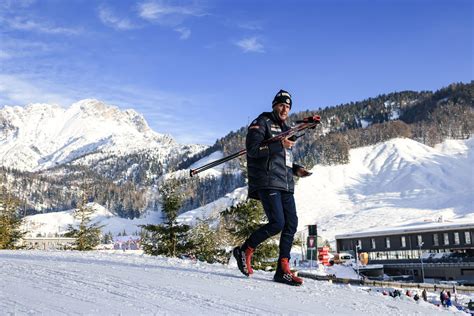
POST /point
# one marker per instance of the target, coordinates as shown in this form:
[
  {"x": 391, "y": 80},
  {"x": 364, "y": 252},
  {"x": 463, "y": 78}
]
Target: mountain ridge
[{"x": 40, "y": 136}]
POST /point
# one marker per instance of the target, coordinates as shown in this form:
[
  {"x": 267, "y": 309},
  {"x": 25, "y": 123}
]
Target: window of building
[
  {"x": 467, "y": 237},
  {"x": 435, "y": 240},
  {"x": 419, "y": 239},
  {"x": 372, "y": 242},
  {"x": 446, "y": 238},
  {"x": 456, "y": 238},
  {"x": 387, "y": 242},
  {"x": 359, "y": 243},
  {"x": 403, "y": 241}
]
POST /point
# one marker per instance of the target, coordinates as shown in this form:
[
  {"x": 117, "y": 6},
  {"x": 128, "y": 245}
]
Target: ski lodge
[{"x": 430, "y": 252}]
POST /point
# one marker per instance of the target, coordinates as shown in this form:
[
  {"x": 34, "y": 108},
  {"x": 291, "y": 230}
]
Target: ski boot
[
  {"x": 284, "y": 275},
  {"x": 244, "y": 259}
]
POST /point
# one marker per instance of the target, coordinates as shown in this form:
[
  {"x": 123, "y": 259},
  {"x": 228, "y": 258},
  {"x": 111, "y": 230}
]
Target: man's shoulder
[{"x": 264, "y": 118}]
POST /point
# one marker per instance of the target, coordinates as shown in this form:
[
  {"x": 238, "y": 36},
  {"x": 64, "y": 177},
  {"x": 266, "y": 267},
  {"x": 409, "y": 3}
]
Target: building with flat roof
[{"x": 438, "y": 251}]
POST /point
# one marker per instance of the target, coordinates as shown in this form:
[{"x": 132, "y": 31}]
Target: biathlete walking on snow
[{"x": 270, "y": 177}]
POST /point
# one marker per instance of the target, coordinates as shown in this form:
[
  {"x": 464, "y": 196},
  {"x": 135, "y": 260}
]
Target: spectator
[
  {"x": 443, "y": 297},
  {"x": 424, "y": 294},
  {"x": 470, "y": 305},
  {"x": 448, "y": 302}
]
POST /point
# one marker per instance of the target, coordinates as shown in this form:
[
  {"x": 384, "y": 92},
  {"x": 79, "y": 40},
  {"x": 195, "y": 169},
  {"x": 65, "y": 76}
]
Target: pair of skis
[{"x": 309, "y": 122}]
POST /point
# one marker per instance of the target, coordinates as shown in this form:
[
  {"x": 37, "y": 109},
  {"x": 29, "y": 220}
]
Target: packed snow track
[{"x": 92, "y": 283}]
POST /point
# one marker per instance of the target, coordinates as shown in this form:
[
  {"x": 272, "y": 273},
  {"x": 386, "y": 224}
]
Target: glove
[{"x": 303, "y": 173}]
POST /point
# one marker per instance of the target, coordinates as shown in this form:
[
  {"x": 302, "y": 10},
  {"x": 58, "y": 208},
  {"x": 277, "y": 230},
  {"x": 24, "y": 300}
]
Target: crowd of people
[{"x": 446, "y": 298}]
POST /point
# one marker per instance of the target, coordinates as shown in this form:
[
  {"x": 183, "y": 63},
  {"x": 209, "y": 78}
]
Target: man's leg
[
  {"x": 271, "y": 201},
  {"x": 291, "y": 224},
  {"x": 273, "y": 206},
  {"x": 283, "y": 273}
]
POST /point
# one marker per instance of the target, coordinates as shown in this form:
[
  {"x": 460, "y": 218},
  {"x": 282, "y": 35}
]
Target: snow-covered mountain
[
  {"x": 397, "y": 182},
  {"x": 41, "y": 136}
]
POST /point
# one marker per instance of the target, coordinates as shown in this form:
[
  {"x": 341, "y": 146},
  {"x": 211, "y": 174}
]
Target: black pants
[{"x": 280, "y": 209}]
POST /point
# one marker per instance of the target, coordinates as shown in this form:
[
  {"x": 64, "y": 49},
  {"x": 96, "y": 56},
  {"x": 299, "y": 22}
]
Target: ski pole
[
  {"x": 193, "y": 172},
  {"x": 306, "y": 123}
]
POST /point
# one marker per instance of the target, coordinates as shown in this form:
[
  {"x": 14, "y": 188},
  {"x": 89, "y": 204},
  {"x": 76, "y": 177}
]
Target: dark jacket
[{"x": 268, "y": 165}]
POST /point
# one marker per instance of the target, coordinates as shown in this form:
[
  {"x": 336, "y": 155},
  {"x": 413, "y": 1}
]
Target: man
[{"x": 270, "y": 174}]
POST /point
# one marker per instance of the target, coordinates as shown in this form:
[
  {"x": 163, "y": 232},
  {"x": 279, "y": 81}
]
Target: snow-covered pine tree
[
  {"x": 241, "y": 221},
  {"x": 108, "y": 238},
  {"x": 208, "y": 243},
  {"x": 87, "y": 234},
  {"x": 10, "y": 221},
  {"x": 170, "y": 238}
]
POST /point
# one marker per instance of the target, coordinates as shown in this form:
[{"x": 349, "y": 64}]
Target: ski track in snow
[{"x": 93, "y": 283}]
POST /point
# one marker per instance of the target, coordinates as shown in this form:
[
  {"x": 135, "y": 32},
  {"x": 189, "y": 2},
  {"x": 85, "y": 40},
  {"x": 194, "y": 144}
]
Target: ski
[{"x": 309, "y": 122}]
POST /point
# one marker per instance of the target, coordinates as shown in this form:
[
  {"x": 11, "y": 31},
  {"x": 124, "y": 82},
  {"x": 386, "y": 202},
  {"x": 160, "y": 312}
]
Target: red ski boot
[
  {"x": 244, "y": 259},
  {"x": 283, "y": 274}
]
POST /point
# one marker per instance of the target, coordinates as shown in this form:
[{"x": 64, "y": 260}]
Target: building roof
[{"x": 409, "y": 229}]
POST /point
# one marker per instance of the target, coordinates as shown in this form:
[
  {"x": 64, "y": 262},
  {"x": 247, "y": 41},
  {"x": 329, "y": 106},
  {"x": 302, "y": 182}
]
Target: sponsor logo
[{"x": 284, "y": 94}]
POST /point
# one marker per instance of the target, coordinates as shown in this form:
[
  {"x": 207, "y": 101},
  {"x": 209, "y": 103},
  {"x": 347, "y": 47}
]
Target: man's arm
[{"x": 255, "y": 137}]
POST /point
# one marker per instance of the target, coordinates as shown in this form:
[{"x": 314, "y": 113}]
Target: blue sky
[{"x": 199, "y": 69}]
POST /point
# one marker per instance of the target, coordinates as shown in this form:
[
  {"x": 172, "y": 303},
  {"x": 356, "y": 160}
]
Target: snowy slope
[
  {"x": 51, "y": 223},
  {"x": 394, "y": 183},
  {"x": 398, "y": 182},
  {"x": 59, "y": 283},
  {"x": 40, "y": 136}
]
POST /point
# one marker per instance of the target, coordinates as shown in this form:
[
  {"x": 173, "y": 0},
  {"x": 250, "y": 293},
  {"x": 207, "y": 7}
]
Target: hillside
[
  {"x": 393, "y": 183},
  {"x": 397, "y": 182}
]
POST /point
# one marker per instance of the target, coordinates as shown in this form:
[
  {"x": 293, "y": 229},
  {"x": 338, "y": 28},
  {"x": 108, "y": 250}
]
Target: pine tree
[
  {"x": 241, "y": 221},
  {"x": 108, "y": 238},
  {"x": 208, "y": 244},
  {"x": 170, "y": 238},
  {"x": 10, "y": 221},
  {"x": 87, "y": 235}
]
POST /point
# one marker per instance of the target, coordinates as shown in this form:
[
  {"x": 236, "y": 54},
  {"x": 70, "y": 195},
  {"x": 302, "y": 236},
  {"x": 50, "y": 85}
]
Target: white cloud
[
  {"x": 9, "y": 4},
  {"x": 184, "y": 32},
  {"x": 158, "y": 11},
  {"x": 15, "y": 90},
  {"x": 25, "y": 24},
  {"x": 15, "y": 48},
  {"x": 250, "y": 44},
  {"x": 166, "y": 15},
  {"x": 110, "y": 19}
]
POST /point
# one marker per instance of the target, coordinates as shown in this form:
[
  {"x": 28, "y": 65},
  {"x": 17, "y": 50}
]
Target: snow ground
[{"x": 93, "y": 283}]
